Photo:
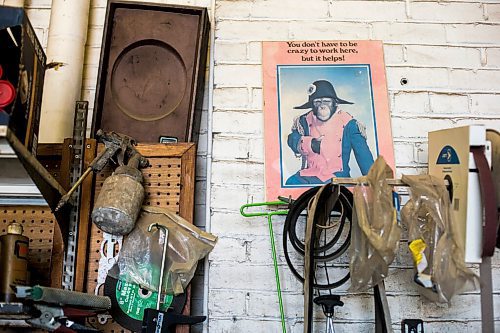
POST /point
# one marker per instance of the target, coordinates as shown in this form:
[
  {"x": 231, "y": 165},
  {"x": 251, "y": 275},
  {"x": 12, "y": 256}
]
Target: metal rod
[
  {"x": 163, "y": 257},
  {"x": 355, "y": 181},
  {"x": 67, "y": 196}
]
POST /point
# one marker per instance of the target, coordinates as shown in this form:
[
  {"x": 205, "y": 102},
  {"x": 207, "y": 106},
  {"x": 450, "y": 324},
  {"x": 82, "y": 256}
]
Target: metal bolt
[{"x": 88, "y": 146}]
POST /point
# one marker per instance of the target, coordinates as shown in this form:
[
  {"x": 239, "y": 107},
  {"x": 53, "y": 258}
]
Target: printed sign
[{"x": 326, "y": 112}]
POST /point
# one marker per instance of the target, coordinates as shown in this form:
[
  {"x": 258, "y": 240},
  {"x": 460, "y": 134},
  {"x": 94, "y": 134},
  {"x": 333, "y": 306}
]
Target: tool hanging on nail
[
  {"x": 119, "y": 201},
  {"x": 273, "y": 246}
]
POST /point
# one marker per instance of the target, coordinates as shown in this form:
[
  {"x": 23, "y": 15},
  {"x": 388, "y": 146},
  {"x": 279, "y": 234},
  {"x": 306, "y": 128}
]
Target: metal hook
[{"x": 266, "y": 213}]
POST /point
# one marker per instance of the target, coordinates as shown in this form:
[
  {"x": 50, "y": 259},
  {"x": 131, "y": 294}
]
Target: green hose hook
[{"x": 273, "y": 246}]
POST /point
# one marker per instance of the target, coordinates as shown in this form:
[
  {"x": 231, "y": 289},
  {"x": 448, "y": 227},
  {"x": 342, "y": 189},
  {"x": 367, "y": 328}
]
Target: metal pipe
[
  {"x": 163, "y": 258},
  {"x": 355, "y": 181}
]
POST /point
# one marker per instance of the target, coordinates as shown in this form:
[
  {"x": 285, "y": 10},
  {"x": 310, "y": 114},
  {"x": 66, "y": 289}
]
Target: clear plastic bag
[
  {"x": 140, "y": 257},
  {"x": 435, "y": 241},
  {"x": 375, "y": 231}
]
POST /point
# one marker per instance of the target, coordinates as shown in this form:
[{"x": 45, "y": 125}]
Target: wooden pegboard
[
  {"x": 38, "y": 224},
  {"x": 168, "y": 183}
]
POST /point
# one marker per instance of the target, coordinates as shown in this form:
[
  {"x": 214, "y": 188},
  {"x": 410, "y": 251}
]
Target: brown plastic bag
[
  {"x": 140, "y": 257},
  {"x": 435, "y": 241},
  {"x": 375, "y": 231}
]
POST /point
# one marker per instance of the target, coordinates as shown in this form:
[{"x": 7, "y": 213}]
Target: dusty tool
[
  {"x": 120, "y": 199},
  {"x": 13, "y": 261},
  {"x": 155, "y": 320},
  {"x": 116, "y": 145}
]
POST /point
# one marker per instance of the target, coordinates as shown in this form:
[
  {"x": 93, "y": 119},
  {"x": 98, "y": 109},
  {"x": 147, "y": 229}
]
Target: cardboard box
[{"x": 23, "y": 61}]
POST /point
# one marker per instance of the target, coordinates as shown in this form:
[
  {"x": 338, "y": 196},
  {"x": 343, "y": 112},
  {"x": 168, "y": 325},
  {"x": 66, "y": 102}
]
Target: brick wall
[{"x": 449, "y": 52}]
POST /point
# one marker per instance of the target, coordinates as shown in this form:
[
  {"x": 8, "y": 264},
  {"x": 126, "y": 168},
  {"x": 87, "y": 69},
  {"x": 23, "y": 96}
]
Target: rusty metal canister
[
  {"x": 13, "y": 261},
  {"x": 119, "y": 201}
]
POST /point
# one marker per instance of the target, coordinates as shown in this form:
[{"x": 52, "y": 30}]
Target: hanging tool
[
  {"x": 116, "y": 145},
  {"x": 273, "y": 246},
  {"x": 120, "y": 199},
  {"x": 155, "y": 320}
]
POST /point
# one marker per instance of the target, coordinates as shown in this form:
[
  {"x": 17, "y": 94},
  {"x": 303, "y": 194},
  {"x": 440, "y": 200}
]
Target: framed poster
[{"x": 326, "y": 112}]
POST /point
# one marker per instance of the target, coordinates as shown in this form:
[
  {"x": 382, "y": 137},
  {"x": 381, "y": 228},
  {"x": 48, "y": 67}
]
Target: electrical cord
[{"x": 343, "y": 208}]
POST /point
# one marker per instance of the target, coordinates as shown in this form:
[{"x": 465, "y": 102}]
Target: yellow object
[{"x": 417, "y": 248}]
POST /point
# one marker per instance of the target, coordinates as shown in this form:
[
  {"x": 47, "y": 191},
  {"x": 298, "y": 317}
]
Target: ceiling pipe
[{"x": 63, "y": 77}]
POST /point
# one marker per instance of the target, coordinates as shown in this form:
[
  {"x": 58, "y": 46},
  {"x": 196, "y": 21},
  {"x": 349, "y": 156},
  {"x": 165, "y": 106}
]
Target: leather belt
[
  {"x": 489, "y": 200},
  {"x": 490, "y": 226}
]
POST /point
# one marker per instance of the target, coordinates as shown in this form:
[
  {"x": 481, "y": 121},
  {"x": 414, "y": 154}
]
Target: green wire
[{"x": 273, "y": 246}]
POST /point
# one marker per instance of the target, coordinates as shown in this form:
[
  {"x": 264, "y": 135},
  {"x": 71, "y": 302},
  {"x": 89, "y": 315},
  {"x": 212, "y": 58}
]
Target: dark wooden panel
[{"x": 151, "y": 75}]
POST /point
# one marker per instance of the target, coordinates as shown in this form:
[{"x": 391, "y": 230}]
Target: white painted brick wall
[{"x": 449, "y": 51}]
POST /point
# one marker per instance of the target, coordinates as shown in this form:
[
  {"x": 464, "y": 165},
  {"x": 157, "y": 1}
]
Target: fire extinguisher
[{"x": 7, "y": 92}]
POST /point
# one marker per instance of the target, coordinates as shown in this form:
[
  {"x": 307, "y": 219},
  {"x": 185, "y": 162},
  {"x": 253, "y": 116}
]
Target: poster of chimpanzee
[{"x": 326, "y": 112}]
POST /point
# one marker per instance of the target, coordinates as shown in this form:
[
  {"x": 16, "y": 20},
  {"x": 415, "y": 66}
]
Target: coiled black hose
[{"x": 343, "y": 206}]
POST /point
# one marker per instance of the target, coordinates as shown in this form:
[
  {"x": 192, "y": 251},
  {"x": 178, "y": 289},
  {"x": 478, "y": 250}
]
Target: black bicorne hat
[{"x": 320, "y": 89}]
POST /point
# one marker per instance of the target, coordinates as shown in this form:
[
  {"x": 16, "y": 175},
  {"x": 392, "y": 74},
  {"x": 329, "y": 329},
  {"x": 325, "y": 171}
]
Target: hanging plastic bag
[
  {"x": 140, "y": 257},
  {"x": 375, "y": 231},
  {"x": 435, "y": 241}
]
